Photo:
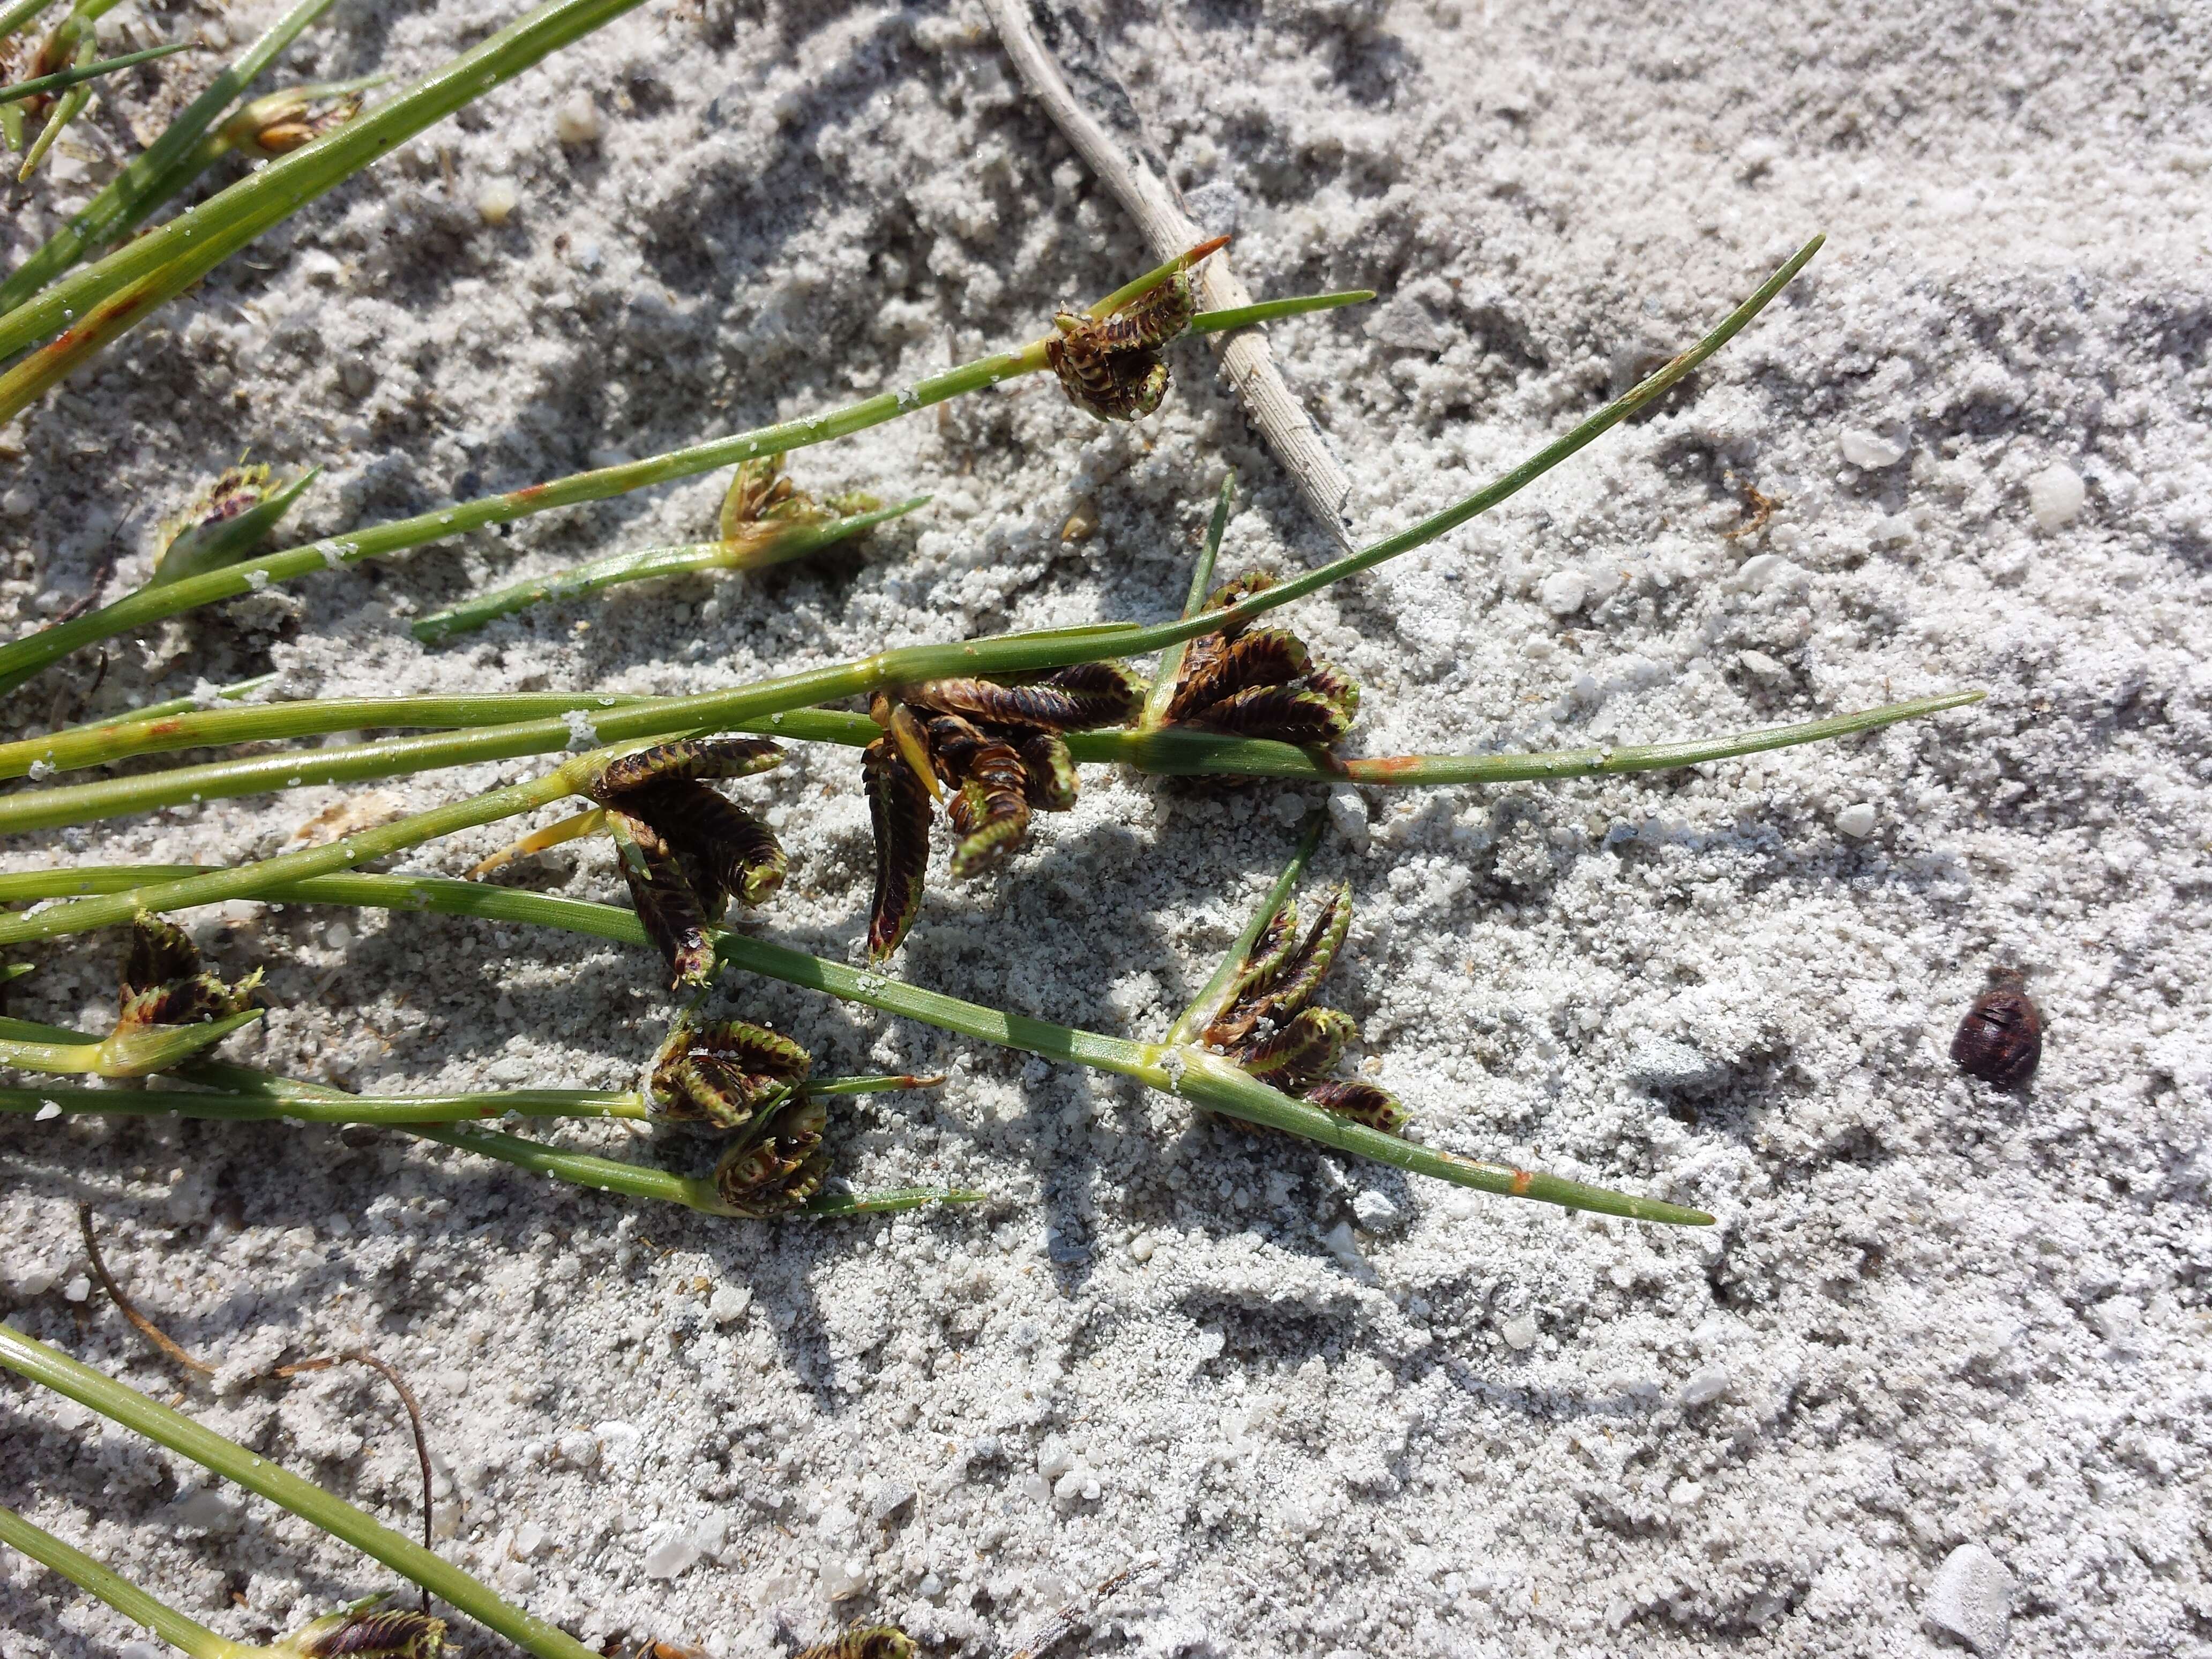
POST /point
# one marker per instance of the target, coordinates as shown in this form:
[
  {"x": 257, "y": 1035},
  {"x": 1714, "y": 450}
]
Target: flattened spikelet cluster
[
  {"x": 1270, "y": 1029},
  {"x": 1260, "y": 681},
  {"x": 163, "y": 983},
  {"x": 687, "y": 849},
  {"x": 356, "y": 1633},
  {"x": 994, "y": 752},
  {"x": 1110, "y": 367},
  {"x": 749, "y": 1082},
  {"x": 762, "y": 503},
  {"x": 864, "y": 1642}
]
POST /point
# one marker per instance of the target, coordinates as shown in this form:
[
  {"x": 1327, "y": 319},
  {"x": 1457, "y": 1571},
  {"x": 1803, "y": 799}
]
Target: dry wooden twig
[{"x": 1050, "y": 46}]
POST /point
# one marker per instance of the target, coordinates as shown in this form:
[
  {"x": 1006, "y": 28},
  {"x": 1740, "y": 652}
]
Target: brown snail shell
[{"x": 2001, "y": 1039}]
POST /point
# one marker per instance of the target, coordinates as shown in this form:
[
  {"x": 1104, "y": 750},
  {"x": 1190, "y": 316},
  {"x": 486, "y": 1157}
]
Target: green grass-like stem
[
  {"x": 163, "y": 169},
  {"x": 24, "y": 658},
  {"x": 795, "y": 542},
  {"x": 1169, "y": 669},
  {"x": 303, "y": 1108},
  {"x": 1173, "y": 752},
  {"x": 97, "y": 1579},
  {"x": 198, "y": 240},
  {"x": 120, "y": 1403},
  {"x": 1268, "y": 311},
  {"x": 1183, "y": 1070},
  {"x": 1015, "y": 652},
  {"x": 62, "y": 80}
]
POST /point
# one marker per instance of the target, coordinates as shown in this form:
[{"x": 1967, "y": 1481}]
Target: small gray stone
[
  {"x": 1707, "y": 1386},
  {"x": 1972, "y": 1600},
  {"x": 1375, "y": 1211},
  {"x": 1666, "y": 1063}
]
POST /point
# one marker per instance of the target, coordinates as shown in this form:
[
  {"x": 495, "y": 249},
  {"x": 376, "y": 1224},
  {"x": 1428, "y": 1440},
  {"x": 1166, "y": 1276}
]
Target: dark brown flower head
[
  {"x": 898, "y": 809},
  {"x": 686, "y": 848},
  {"x": 724, "y": 1073},
  {"x": 1260, "y": 681},
  {"x": 163, "y": 983},
  {"x": 774, "y": 1171},
  {"x": 1110, "y": 367},
  {"x": 1363, "y": 1103},
  {"x": 1269, "y": 1027},
  {"x": 360, "y": 1633},
  {"x": 1293, "y": 1055},
  {"x": 762, "y": 503},
  {"x": 864, "y": 1642},
  {"x": 1282, "y": 971},
  {"x": 994, "y": 752}
]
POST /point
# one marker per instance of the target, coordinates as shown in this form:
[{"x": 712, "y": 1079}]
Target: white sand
[{"x": 1348, "y": 1413}]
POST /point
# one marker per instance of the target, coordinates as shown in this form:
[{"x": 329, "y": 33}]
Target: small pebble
[
  {"x": 1141, "y": 1247},
  {"x": 1349, "y": 814},
  {"x": 1972, "y": 1600},
  {"x": 2055, "y": 496},
  {"x": 77, "y": 1288},
  {"x": 1761, "y": 666},
  {"x": 529, "y": 1539},
  {"x": 1563, "y": 592},
  {"x": 1707, "y": 1386},
  {"x": 47, "y": 1113},
  {"x": 1520, "y": 1334},
  {"x": 1870, "y": 450},
  {"x": 728, "y": 1304},
  {"x": 843, "y": 1577},
  {"x": 496, "y": 201},
  {"x": 1857, "y": 820},
  {"x": 1374, "y": 1212},
  {"x": 670, "y": 1557},
  {"x": 577, "y": 120},
  {"x": 1685, "y": 1494}
]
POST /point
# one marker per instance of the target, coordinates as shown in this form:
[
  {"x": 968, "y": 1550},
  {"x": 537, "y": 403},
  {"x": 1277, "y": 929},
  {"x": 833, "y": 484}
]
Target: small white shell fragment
[
  {"x": 577, "y": 120},
  {"x": 670, "y": 1556},
  {"x": 1972, "y": 1599},
  {"x": 1563, "y": 592},
  {"x": 2055, "y": 496},
  {"x": 1870, "y": 450},
  {"x": 728, "y": 1304},
  {"x": 496, "y": 200},
  {"x": 1349, "y": 814},
  {"x": 1520, "y": 1334},
  {"x": 1857, "y": 820},
  {"x": 1761, "y": 666},
  {"x": 1707, "y": 1386}
]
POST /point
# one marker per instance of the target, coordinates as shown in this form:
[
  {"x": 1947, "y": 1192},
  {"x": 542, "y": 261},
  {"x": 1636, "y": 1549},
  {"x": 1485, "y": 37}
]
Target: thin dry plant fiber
[{"x": 1048, "y": 43}]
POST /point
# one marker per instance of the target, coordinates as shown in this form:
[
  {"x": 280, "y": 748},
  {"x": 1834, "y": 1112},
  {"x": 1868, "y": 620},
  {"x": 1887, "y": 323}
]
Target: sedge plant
[
  {"x": 22, "y": 659},
  {"x": 1180, "y": 1065},
  {"x": 119, "y": 1403},
  {"x": 62, "y": 79}
]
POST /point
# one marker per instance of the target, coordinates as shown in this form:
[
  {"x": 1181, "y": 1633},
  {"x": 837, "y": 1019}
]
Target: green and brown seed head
[
  {"x": 164, "y": 984},
  {"x": 993, "y": 751},
  {"x": 1269, "y": 1026},
  {"x": 725, "y": 1072},
  {"x": 1249, "y": 681},
  {"x": 365, "y": 1633},
  {"x": 1110, "y": 367},
  {"x": 686, "y": 848}
]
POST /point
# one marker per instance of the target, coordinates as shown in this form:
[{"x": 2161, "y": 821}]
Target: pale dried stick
[{"x": 1046, "y": 41}]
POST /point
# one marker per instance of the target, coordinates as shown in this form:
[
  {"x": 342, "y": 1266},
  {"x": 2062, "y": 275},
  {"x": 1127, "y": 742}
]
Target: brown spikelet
[
  {"x": 898, "y": 809},
  {"x": 1050, "y": 782},
  {"x": 1260, "y": 656},
  {"x": 724, "y": 1073},
  {"x": 1290, "y": 981},
  {"x": 863, "y": 1642},
  {"x": 1107, "y": 382},
  {"x": 1110, "y": 691},
  {"x": 1285, "y": 714},
  {"x": 1363, "y": 1103},
  {"x": 389, "y": 1634},
  {"x": 779, "y": 1169},
  {"x": 738, "y": 853},
  {"x": 1151, "y": 319},
  {"x": 666, "y": 899},
  {"x": 1294, "y": 1054},
  {"x": 163, "y": 983},
  {"x": 687, "y": 757},
  {"x": 991, "y": 819}
]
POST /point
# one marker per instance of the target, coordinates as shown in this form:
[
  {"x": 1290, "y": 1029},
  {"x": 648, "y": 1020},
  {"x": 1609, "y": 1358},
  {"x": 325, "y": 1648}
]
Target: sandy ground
[{"x": 1327, "y": 1411}]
